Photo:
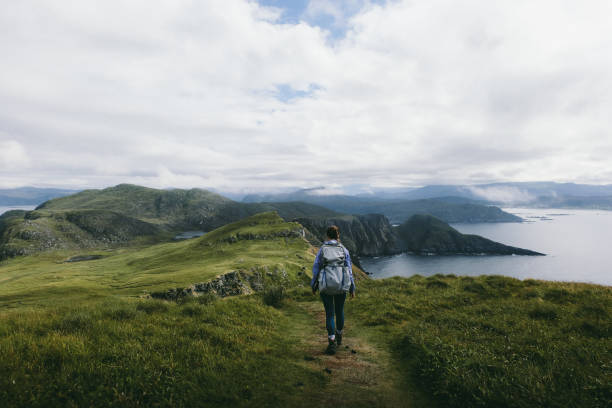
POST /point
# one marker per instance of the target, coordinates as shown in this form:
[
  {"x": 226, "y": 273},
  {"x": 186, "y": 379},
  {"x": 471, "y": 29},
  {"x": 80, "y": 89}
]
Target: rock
[
  {"x": 362, "y": 235},
  {"x": 230, "y": 284},
  {"x": 81, "y": 258}
]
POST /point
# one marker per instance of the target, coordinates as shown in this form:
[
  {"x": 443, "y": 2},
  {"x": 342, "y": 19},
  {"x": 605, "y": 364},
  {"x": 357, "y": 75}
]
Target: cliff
[
  {"x": 363, "y": 235},
  {"x": 425, "y": 234}
]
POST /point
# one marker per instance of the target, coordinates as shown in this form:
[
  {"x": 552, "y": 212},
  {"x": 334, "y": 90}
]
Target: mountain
[
  {"x": 518, "y": 194},
  {"x": 362, "y": 235},
  {"x": 127, "y": 214},
  {"x": 29, "y": 232},
  {"x": 451, "y": 209},
  {"x": 424, "y": 234},
  {"x": 30, "y": 195},
  {"x": 176, "y": 209}
]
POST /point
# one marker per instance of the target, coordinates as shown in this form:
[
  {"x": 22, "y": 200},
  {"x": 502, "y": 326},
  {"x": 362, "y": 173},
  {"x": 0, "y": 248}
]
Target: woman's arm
[
  {"x": 349, "y": 264},
  {"x": 316, "y": 268}
]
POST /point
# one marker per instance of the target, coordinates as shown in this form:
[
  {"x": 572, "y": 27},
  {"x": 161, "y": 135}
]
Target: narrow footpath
[{"x": 361, "y": 373}]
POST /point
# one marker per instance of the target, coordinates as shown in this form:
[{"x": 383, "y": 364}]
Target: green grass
[
  {"x": 151, "y": 353},
  {"x": 495, "y": 341},
  {"x": 45, "y": 278},
  {"x": 80, "y": 334}
]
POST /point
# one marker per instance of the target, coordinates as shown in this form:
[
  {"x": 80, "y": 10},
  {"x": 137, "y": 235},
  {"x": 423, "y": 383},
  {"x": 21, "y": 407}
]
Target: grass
[
  {"x": 495, "y": 341},
  {"x": 45, "y": 278},
  {"x": 151, "y": 353},
  {"x": 82, "y": 334}
]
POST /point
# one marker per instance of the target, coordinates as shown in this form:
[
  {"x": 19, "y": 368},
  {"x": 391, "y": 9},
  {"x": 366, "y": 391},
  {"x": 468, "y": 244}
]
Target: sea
[{"x": 577, "y": 244}]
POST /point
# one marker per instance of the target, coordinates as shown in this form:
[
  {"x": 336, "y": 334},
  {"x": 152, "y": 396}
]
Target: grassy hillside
[
  {"x": 493, "y": 341},
  {"x": 87, "y": 334},
  {"x": 126, "y": 215},
  {"x": 25, "y": 233},
  {"x": 177, "y": 208},
  {"x": 262, "y": 242}
]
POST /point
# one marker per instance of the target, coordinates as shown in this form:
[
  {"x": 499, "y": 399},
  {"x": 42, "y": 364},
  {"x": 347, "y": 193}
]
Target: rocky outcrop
[
  {"x": 229, "y": 284},
  {"x": 295, "y": 233},
  {"x": 362, "y": 235},
  {"x": 425, "y": 234}
]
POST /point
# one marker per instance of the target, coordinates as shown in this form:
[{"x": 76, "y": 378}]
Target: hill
[
  {"x": 448, "y": 208},
  {"x": 29, "y": 232},
  {"x": 88, "y": 334},
  {"x": 176, "y": 209},
  {"x": 425, "y": 234},
  {"x": 125, "y": 215}
]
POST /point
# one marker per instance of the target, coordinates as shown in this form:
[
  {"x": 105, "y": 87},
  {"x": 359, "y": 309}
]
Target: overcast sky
[{"x": 240, "y": 95}]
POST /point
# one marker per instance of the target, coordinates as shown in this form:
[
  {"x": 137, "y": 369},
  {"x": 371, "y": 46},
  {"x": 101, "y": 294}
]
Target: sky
[{"x": 239, "y": 95}]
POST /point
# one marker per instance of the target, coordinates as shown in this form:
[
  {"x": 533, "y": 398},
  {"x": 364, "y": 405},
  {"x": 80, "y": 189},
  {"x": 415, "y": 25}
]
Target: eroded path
[{"x": 361, "y": 373}]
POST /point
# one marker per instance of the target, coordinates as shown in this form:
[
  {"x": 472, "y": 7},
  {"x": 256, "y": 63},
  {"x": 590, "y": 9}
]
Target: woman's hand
[{"x": 352, "y": 295}]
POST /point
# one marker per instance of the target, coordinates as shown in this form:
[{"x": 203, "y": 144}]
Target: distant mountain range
[
  {"x": 30, "y": 195},
  {"x": 126, "y": 214},
  {"x": 527, "y": 194},
  {"x": 448, "y": 209}
]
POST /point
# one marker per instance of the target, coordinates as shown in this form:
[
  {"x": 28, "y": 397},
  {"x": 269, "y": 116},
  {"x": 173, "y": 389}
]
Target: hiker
[{"x": 332, "y": 275}]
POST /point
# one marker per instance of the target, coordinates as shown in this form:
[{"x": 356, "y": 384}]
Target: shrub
[
  {"x": 543, "y": 312},
  {"x": 274, "y": 296}
]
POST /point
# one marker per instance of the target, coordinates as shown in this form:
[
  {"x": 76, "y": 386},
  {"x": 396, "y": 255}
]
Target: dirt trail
[{"x": 360, "y": 373}]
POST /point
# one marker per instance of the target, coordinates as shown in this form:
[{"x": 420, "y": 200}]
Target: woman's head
[{"x": 333, "y": 232}]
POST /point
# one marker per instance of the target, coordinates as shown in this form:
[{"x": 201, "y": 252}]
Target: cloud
[
  {"x": 502, "y": 194},
  {"x": 12, "y": 155},
  {"x": 231, "y": 95}
]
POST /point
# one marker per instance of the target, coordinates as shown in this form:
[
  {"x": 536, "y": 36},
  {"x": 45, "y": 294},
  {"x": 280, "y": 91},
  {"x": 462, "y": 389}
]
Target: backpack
[{"x": 334, "y": 278}]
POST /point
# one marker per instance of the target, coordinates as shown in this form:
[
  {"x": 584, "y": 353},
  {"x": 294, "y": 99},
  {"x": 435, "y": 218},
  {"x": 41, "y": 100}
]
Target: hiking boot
[
  {"x": 331, "y": 347},
  {"x": 339, "y": 338}
]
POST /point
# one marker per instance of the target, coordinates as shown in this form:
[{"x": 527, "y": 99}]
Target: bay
[{"x": 576, "y": 243}]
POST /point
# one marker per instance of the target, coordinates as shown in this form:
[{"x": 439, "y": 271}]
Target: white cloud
[
  {"x": 13, "y": 155},
  {"x": 503, "y": 194},
  {"x": 418, "y": 92}
]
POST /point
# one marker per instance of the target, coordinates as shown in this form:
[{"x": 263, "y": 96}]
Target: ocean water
[
  {"x": 577, "y": 244},
  {"x": 16, "y": 207}
]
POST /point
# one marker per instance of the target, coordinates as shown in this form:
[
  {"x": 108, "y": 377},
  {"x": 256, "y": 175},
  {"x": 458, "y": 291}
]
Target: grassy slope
[
  {"x": 78, "y": 334},
  {"x": 495, "y": 341},
  {"x": 45, "y": 278},
  {"x": 487, "y": 341}
]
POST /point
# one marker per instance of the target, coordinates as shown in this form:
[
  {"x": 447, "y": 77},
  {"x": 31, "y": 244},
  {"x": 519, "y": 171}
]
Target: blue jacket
[{"x": 318, "y": 264}]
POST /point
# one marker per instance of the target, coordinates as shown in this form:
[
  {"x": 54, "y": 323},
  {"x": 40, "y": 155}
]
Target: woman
[{"x": 332, "y": 274}]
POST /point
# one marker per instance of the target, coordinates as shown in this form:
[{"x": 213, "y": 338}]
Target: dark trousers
[{"x": 334, "y": 304}]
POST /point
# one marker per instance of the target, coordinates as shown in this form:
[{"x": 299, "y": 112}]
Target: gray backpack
[{"x": 334, "y": 278}]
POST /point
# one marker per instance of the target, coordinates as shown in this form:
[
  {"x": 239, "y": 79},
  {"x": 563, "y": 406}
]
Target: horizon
[{"x": 267, "y": 95}]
